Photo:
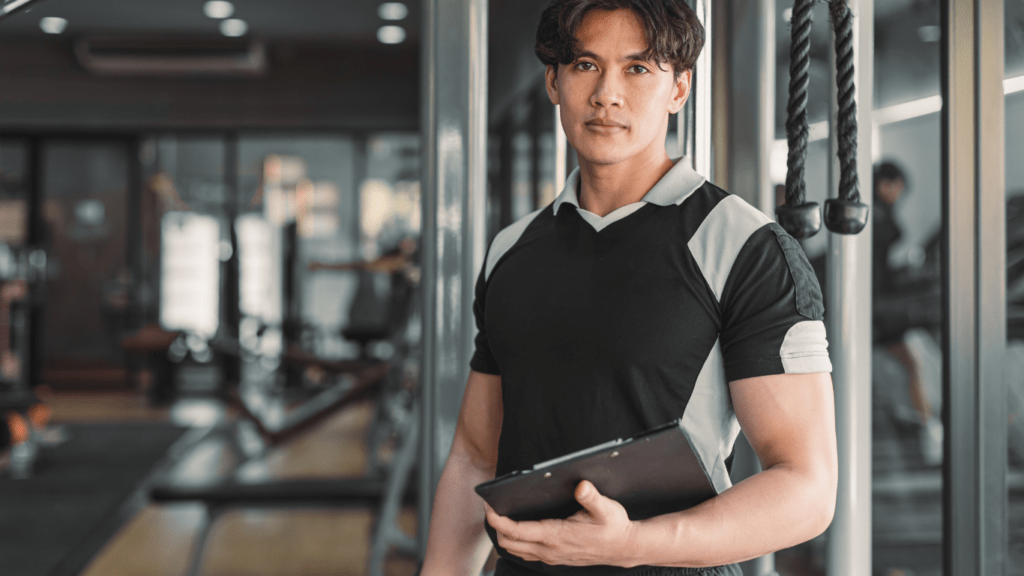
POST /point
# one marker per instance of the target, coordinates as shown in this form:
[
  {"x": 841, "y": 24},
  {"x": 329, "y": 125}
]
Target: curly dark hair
[{"x": 674, "y": 34}]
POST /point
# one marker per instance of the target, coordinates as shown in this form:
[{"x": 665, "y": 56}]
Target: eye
[
  {"x": 585, "y": 66},
  {"x": 638, "y": 69}
]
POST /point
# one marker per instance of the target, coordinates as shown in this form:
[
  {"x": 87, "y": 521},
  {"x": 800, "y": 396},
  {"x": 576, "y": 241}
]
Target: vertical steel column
[
  {"x": 701, "y": 94},
  {"x": 974, "y": 275},
  {"x": 750, "y": 64},
  {"x": 745, "y": 58},
  {"x": 848, "y": 317},
  {"x": 454, "y": 124},
  {"x": 561, "y": 151}
]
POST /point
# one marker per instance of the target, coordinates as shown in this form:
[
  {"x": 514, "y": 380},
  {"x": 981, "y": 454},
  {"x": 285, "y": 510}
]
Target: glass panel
[
  {"x": 85, "y": 217},
  {"x": 907, "y": 313},
  {"x": 1014, "y": 117}
]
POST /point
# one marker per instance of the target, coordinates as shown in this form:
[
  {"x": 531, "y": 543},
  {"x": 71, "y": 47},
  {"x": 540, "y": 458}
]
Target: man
[{"x": 641, "y": 295}]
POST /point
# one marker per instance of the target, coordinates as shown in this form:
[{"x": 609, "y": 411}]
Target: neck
[{"x": 605, "y": 188}]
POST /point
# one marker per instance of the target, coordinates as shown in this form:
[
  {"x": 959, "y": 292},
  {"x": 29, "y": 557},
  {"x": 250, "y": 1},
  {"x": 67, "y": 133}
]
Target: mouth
[{"x": 603, "y": 124}]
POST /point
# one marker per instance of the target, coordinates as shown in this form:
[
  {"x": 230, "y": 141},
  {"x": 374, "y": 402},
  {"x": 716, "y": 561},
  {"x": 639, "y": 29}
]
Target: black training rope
[
  {"x": 846, "y": 214},
  {"x": 797, "y": 128},
  {"x": 846, "y": 123}
]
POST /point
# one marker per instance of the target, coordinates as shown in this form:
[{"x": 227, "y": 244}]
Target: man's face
[
  {"x": 890, "y": 190},
  {"x": 614, "y": 102}
]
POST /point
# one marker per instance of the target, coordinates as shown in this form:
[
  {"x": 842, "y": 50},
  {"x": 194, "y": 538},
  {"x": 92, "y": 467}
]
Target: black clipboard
[{"x": 655, "y": 472}]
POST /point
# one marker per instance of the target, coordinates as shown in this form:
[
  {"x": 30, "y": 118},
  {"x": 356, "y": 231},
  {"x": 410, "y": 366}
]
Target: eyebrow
[{"x": 634, "y": 56}]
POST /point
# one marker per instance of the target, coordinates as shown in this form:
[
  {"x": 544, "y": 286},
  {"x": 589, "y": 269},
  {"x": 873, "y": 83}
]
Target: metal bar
[
  {"x": 960, "y": 488},
  {"x": 701, "y": 93},
  {"x": 14, "y": 7},
  {"x": 455, "y": 132},
  {"x": 747, "y": 38},
  {"x": 990, "y": 282},
  {"x": 848, "y": 317},
  {"x": 561, "y": 148},
  {"x": 231, "y": 294},
  {"x": 974, "y": 487}
]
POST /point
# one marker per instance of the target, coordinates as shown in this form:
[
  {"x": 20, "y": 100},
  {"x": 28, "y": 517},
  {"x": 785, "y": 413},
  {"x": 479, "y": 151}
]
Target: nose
[{"x": 608, "y": 91}]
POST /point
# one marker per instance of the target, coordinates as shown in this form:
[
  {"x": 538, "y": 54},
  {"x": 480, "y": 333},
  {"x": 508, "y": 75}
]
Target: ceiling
[{"x": 330, "y": 20}]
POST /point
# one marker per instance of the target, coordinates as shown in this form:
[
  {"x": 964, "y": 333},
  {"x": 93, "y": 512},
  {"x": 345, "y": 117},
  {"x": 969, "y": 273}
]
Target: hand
[{"x": 601, "y": 533}]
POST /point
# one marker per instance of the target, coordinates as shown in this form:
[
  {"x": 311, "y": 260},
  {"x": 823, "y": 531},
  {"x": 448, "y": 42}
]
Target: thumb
[{"x": 592, "y": 500}]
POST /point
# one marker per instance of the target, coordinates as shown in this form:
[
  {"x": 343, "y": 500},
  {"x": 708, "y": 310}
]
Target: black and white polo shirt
[{"x": 602, "y": 328}]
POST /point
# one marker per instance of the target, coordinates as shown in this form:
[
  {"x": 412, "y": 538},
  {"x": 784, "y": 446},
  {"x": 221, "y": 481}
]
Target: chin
[{"x": 607, "y": 153}]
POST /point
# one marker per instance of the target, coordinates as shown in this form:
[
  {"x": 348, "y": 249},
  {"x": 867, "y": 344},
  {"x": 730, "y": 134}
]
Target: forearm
[
  {"x": 775, "y": 509},
  {"x": 458, "y": 544}
]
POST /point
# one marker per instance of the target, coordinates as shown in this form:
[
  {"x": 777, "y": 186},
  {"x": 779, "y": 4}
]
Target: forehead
[{"x": 611, "y": 32}]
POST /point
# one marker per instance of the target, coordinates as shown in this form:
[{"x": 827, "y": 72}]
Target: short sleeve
[
  {"x": 772, "y": 310},
  {"x": 483, "y": 360}
]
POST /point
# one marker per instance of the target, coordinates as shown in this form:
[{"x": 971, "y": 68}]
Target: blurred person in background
[{"x": 904, "y": 350}]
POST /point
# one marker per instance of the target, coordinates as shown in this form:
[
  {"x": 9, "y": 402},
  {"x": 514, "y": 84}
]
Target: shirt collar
[{"x": 675, "y": 186}]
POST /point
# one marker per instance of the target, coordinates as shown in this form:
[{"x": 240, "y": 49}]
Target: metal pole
[
  {"x": 974, "y": 278},
  {"x": 748, "y": 41},
  {"x": 701, "y": 93},
  {"x": 455, "y": 137},
  {"x": 848, "y": 317},
  {"x": 561, "y": 149}
]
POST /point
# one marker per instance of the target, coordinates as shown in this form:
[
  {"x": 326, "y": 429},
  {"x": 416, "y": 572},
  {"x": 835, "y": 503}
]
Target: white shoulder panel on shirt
[
  {"x": 721, "y": 236},
  {"x": 506, "y": 239},
  {"x": 805, "y": 348}
]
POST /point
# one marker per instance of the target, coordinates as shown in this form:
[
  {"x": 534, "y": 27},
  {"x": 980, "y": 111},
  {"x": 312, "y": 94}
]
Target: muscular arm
[
  {"x": 457, "y": 543},
  {"x": 790, "y": 422}
]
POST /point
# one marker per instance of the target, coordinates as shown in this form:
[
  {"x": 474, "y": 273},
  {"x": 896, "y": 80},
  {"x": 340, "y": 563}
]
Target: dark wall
[{"x": 307, "y": 85}]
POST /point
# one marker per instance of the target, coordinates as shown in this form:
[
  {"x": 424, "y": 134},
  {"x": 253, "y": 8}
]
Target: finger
[
  {"x": 500, "y": 523},
  {"x": 525, "y": 550},
  {"x": 592, "y": 500}
]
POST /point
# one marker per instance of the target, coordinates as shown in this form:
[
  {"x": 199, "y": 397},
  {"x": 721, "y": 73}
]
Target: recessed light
[
  {"x": 53, "y": 25},
  {"x": 391, "y": 34},
  {"x": 218, "y": 9},
  {"x": 233, "y": 27},
  {"x": 392, "y": 11}
]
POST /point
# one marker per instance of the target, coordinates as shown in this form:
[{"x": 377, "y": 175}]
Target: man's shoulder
[{"x": 508, "y": 237}]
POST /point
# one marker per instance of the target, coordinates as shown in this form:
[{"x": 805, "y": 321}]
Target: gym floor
[{"x": 160, "y": 539}]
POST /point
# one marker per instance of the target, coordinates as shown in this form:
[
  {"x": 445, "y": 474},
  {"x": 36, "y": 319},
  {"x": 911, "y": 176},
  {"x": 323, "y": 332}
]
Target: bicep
[
  {"x": 789, "y": 420},
  {"x": 479, "y": 425}
]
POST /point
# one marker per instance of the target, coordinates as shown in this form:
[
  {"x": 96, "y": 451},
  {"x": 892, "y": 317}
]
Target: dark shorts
[{"x": 504, "y": 569}]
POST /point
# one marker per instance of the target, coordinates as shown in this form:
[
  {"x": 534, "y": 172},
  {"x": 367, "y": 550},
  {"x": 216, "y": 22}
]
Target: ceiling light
[
  {"x": 391, "y": 34},
  {"x": 392, "y": 11},
  {"x": 218, "y": 9},
  {"x": 52, "y": 25},
  {"x": 233, "y": 27}
]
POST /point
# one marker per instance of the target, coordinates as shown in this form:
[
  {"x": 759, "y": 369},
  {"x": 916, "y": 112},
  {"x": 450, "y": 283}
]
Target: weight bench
[{"x": 221, "y": 497}]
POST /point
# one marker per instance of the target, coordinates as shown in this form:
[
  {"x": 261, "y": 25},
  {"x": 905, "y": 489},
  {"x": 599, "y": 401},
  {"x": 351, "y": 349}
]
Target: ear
[
  {"x": 680, "y": 91},
  {"x": 551, "y": 83}
]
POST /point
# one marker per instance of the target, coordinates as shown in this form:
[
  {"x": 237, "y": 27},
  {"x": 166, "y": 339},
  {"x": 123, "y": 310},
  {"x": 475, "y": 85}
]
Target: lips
[{"x": 604, "y": 124}]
